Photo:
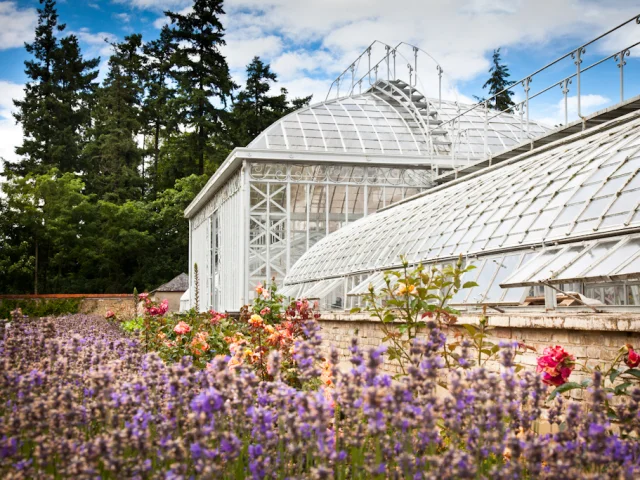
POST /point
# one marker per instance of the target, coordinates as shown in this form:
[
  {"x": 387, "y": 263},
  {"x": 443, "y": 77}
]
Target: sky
[{"x": 310, "y": 42}]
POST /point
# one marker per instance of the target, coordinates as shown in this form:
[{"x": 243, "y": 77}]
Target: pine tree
[
  {"x": 159, "y": 119},
  {"x": 253, "y": 109},
  {"x": 202, "y": 75},
  {"x": 113, "y": 156},
  {"x": 55, "y": 109},
  {"x": 76, "y": 82},
  {"x": 497, "y": 83}
]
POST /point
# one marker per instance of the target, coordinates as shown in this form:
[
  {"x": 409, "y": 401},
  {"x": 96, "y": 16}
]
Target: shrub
[{"x": 40, "y": 308}]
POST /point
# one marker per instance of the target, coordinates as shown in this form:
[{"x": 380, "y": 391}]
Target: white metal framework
[
  {"x": 585, "y": 188},
  {"x": 315, "y": 171}
]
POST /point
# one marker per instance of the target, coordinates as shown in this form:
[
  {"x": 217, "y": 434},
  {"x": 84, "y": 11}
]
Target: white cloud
[
  {"x": 164, "y": 20},
  {"x": 240, "y": 51},
  {"x": 320, "y": 38},
  {"x": 123, "y": 17},
  {"x": 95, "y": 44},
  {"x": 156, "y": 5},
  {"x": 554, "y": 114},
  {"x": 10, "y": 133},
  {"x": 17, "y": 25}
]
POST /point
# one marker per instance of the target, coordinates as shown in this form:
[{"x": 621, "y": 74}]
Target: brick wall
[{"x": 594, "y": 338}]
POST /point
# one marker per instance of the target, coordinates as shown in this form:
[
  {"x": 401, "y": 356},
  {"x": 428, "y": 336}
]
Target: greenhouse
[
  {"x": 558, "y": 225},
  {"x": 322, "y": 168}
]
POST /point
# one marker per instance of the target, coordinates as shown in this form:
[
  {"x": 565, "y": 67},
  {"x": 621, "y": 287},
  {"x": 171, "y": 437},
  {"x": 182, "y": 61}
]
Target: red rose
[{"x": 632, "y": 359}]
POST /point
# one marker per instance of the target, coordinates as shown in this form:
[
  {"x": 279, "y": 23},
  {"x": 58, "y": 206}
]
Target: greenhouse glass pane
[
  {"x": 484, "y": 280},
  {"x": 524, "y": 273},
  {"x": 507, "y": 267},
  {"x": 557, "y": 264},
  {"x": 632, "y": 267},
  {"x": 585, "y": 260},
  {"x": 613, "y": 261}
]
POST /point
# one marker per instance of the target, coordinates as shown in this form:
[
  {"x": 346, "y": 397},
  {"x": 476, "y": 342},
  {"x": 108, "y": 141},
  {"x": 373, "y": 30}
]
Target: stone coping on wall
[
  {"x": 584, "y": 321},
  {"x": 47, "y": 296}
]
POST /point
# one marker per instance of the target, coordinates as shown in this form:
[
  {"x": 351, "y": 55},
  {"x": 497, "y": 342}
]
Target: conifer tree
[
  {"x": 202, "y": 75},
  {"x": 55, "y": 110},
  {"x": 497, "y": 82},
  {"x": 114, "y": 155},
  {"x": 159, "y": 119},
  {"x": 253, "y": 109}
]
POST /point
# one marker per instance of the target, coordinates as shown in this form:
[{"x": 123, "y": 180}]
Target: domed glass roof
[
  {"x": 588, "y": 186},
  {"x": 392, "y": 118}
]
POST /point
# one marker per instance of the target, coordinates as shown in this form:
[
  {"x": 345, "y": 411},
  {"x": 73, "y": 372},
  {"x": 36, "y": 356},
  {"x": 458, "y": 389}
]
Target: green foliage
[
  {"x": 40, "y": 308},
  {"x": 268, "y": 303},
  {"x": 112, "y": 153},
  {"x": 89, "y": 246},
  {"x": 133, "y": 325},
  {"x": 415, "y": 301},
  {"x": 91, "y": 209},
  {"x": 253, "y": 109},
  {"x": 55, "y": 109},
  {"x": 497, "y": 82},
  {"x": 410, "y": 299},
  {"x": 201, "y": 74}
]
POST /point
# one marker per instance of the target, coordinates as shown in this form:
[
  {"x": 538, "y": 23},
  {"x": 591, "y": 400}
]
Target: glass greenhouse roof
[
  {"x": 392, "y": 118},
  {"x": 589, "y": 186}
]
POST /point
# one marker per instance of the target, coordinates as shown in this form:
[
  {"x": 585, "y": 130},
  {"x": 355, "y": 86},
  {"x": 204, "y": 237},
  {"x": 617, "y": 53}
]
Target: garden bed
[
  {"x": 80, "y": 399},
  {"x": 202, "y": 395}
]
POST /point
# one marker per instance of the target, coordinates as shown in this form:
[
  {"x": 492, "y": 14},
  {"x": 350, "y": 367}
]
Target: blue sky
[{"x": 309, "y": 42}]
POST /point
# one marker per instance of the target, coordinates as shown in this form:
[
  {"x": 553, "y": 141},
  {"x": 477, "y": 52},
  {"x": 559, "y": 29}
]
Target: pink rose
[
  {"x": 109, "y": 314},
  {"x": 556, "y": 365},
  {"x": 182, "y": 328},
  {"x": 160, "y": 309}
]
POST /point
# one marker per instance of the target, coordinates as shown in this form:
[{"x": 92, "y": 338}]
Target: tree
[
  {"x": 41, "y": 229},
  {"x": 202, "y": 75},
  {"x": 77, "y": 86},
  {"x": 497, "y": 83},
  {"x": 159, "y": 119},
  {"x": 113, "y": 156},
  {"x": 253, "y": 109},
  {"x": 55, "y": 111}
]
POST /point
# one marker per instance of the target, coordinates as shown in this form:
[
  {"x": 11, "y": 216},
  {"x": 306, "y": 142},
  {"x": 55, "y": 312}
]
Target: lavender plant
[{"x": 80, "y": 400}]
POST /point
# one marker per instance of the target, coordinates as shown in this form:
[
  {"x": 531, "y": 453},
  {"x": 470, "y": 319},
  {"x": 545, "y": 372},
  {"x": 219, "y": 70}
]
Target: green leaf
[
  {"x": 355, "y": 310},
  {"x": 469, "y": 328},
  {"x": 621, "y": 389},
  {"x": 614, "y": 375},
  {"x": 564, "y": 388},
  {"x": 633, "y": 371},
  {"x": 469, "y": 285}
]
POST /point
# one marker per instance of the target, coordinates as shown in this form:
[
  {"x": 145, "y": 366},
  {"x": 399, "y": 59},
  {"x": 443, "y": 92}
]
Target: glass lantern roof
[{"x": 392, "y": 118}]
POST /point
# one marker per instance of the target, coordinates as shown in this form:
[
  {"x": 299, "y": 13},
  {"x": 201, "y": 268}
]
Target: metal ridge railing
[{"x": 522, "y": 108}]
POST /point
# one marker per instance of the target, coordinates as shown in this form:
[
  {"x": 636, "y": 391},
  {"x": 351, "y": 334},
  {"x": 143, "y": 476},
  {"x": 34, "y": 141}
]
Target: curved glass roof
[
  {"x": 392, "y": 118},
  {"x": 589, "y": 186}
]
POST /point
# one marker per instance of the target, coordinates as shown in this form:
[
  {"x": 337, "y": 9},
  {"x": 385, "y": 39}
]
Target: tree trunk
[{"x": 35, "y": 283}]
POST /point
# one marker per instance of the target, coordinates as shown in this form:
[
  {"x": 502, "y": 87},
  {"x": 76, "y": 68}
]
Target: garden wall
[
  {"x": 592, "y": 337},
  {"x": 98, "y": 304}
]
